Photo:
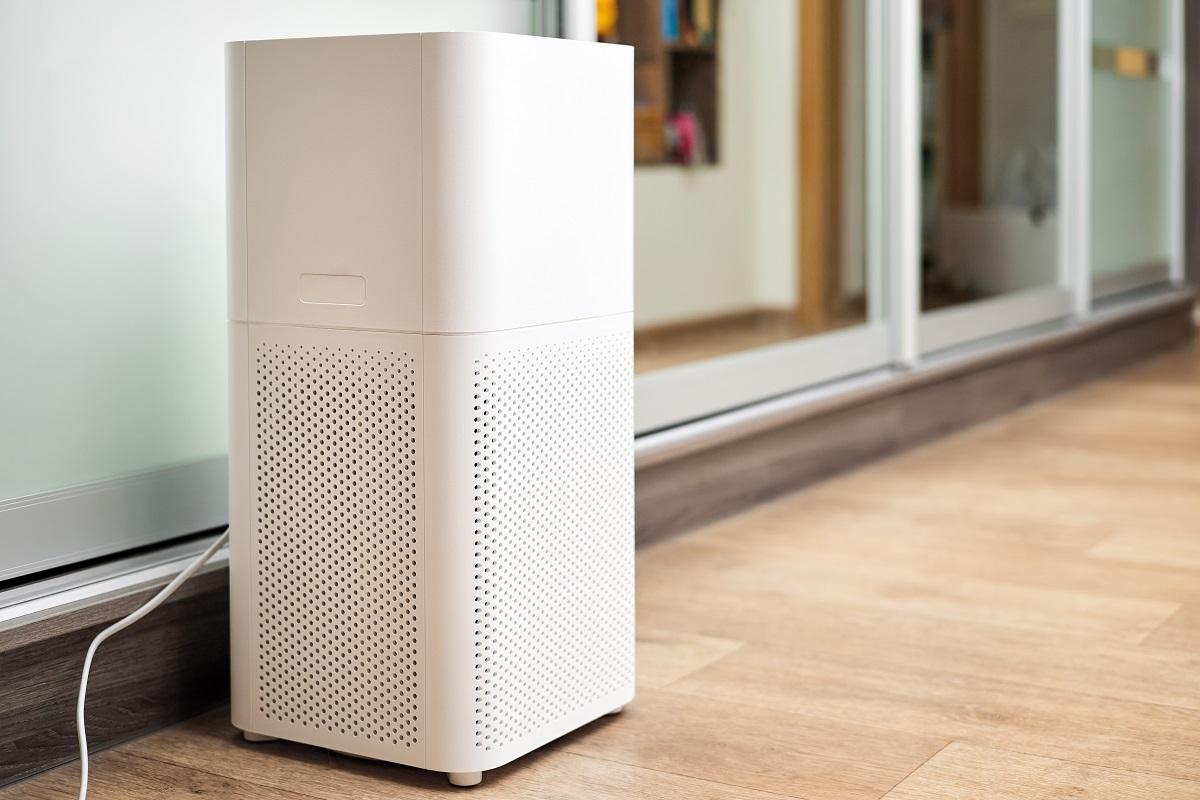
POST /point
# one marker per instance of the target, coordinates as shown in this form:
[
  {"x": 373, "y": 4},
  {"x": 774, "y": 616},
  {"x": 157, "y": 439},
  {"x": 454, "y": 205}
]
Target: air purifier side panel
[
  {"x": 451, "y": 563},
  {"x": 333, "y": 181},
  {"x": 528, "y": 181},
  {"x": 529, "y": 455},
  {"x": 235, "y": 177},
  {"x": 241, "y": 631},
  {"x": 332, "y": 607}
]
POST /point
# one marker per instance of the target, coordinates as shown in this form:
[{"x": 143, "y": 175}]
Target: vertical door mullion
[
  {"x": 1075, "y": 152},
  {"x": 545, "y": 17},
  {"x": 1176, "y": 76},
  {"x": 877, "y": 284},
  {"x": 577, "y": 20},
  {"x": 901, "y": 172}
]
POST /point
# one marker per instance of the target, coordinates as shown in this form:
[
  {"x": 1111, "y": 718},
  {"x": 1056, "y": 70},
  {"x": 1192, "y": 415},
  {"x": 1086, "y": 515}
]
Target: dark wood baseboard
[
  {"x": 175, "y": 663},
  {"x": 172, "y": 665},
  {"x": 705, "y": 485}
]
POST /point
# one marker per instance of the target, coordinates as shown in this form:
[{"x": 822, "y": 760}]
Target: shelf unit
[{"x": 670, "y": 76}]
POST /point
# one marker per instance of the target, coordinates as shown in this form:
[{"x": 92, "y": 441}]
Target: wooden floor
[{"x": 1013, "y": 612}]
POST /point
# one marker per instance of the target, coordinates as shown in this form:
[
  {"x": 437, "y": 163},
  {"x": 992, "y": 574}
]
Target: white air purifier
[{"x": 431, "y": 457}]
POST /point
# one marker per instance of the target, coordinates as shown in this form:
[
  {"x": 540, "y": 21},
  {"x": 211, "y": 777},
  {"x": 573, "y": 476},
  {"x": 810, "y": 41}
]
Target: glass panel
[
  {"x": 989, "y": 148},
  {"x": 750, "y": 202},
  {"x": 1130, "y": 141},
  {"x": 112, "y": 218}
]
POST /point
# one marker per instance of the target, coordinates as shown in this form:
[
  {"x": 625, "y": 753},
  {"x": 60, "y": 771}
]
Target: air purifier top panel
[{"x": 433, "y": 183}]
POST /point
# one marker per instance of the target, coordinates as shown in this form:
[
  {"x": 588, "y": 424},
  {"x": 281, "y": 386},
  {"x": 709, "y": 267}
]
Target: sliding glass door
[
  {"x": 112, "y": 342},
  {"x": 899, "y": 179},
  {"x": 758, "y": 266},
  {"x": 1135, "y": 165},
  {"x": 989, "y": 171},
  {"x": 823, "y": 189}
]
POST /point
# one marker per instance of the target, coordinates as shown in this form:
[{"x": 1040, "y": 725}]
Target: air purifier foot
[
  {"x": 616, "y": 710},
  {"x": 258, "y": 737},
  {"x": 465, "y": 778}
]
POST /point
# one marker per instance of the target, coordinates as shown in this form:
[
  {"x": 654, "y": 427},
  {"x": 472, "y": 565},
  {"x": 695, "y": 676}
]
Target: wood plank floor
[{"x": 1012, "y": 612}]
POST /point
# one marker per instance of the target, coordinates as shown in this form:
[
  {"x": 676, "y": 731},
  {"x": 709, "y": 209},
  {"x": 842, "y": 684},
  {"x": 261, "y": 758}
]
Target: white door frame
[
  {"x": 969, "y": 322},
  {"x": 900, "y": 202},
  {"x": 1075, "y": 152},
  {"x": 1176, "y": 73},
  {"x": 568, "y": 19},
  {"x": 688, "y": 392}
]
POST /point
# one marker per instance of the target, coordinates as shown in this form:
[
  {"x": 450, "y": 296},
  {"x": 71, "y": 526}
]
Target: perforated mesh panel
[
  {"x": 335, "y": 518},
  {"x": 553, "y": 533}
]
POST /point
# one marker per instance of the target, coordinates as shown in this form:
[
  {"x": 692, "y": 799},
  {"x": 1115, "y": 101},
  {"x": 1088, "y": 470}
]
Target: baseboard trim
[
  {"x": 175, "y": 663},
  {"x": 172, "y": 665}
]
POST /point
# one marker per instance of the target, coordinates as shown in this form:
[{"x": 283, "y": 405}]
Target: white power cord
[{"x": 120, "y": 625}]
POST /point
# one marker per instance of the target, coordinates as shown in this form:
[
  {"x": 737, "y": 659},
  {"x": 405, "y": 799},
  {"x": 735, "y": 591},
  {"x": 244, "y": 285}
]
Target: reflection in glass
[
  {"x": 762, "y": 239},
  {"x": 1130, "y": 141},
  {"x": 988, "y": 152}
]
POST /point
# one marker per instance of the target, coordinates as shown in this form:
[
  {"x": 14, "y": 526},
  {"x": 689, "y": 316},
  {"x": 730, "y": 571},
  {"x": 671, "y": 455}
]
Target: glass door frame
[{"x": 1070, "y": 296}]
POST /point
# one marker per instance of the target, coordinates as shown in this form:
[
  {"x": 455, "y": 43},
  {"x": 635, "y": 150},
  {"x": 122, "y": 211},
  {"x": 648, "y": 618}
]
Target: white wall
[
  {"x": 711, "y": 240},
  {"x": 773, "y": 138},
  {"x": 112, "y": 219}
]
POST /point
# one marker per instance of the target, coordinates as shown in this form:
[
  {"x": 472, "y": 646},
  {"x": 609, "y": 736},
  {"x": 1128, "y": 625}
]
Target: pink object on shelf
[{"x": 683, "y": 136}]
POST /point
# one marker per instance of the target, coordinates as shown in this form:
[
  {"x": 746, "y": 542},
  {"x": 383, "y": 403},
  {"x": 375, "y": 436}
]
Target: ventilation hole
[
  {"x": 335, "y": 504},
  {"x": 553, "y": 521}
]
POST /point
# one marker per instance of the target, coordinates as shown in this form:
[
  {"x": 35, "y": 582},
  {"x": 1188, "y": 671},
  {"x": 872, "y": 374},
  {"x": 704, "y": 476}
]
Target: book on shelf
[
  {"x": 702, "y": 18},
  {"x": 670, "y": 20}
]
